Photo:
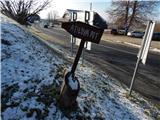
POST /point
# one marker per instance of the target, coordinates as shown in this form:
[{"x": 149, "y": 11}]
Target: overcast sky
[
  {"x": 60, "y": 6},
  {"x": 99, "y": 6}
]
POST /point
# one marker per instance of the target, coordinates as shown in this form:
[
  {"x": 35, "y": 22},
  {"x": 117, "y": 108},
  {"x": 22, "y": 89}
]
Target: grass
[
  {"x": 46, "y": 37},
  {"x": 123, "y": 39},
  {"x": 40, "y": 34}
]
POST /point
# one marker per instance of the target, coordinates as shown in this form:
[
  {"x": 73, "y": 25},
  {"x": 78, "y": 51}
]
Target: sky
[
  {"x": 60, "y": 6},
  {"x": 99, "y": 6}
]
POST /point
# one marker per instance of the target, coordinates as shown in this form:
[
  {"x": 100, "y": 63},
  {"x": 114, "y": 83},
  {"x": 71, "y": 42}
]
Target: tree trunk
[
  {"x": 133, "y": 14},
  {"x": 126, "y": 17}
]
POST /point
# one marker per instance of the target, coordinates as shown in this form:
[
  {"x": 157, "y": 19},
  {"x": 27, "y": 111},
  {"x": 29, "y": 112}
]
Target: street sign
[
  {"x": 83, "y": 31},
  {"x": 142, "y": 54},
  {"x": 86, "y": 33},
  {"x": 146, "y": 42}
]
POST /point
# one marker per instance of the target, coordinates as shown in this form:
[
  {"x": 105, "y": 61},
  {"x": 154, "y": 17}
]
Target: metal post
[
  {"x": 90, "y": 6},
  {"x": 72, "y": 45},
  {"x": 139, "y": 57},
  {"x": 73, "y": 18},
  {"x": 87, "y": 18},
  {"x": 134, "y": 75},
  {"x": 83, "y": 51}
]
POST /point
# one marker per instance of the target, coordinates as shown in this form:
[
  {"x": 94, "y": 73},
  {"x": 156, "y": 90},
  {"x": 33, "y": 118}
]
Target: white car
[{"x": 137, "y": 34}]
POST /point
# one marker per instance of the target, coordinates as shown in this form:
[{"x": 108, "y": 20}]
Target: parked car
[
  {"x": 121, "y": 31},
  {"x": 114, "y": 31},
  {"x": 46, "y": 26},
  {"x": 156, "y": 36},
  {"x": 137, "y": 34}
]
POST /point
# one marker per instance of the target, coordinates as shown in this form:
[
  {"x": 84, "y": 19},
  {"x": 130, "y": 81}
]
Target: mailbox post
[
  {"x": 73, "y": 18},
  {"x": 71, "y": 85},
  {"x": 86, "y": 19}
]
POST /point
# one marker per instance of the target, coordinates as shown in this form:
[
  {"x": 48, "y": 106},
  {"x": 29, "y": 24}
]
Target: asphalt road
[{"x": 119, "y": 61}]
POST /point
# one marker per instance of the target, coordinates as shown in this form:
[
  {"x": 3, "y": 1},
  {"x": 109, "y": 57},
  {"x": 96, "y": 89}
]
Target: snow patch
[
  {"x": 32, "y": 103},
  {"x": 156, "y": 50},
  {"x": 13, "y": 113},
  {"x": 73, "y": 83}
]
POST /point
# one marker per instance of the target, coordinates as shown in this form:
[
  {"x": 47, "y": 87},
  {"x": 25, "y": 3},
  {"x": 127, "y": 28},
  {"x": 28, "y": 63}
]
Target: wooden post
[
  {"x": 74, "y": 66},
  {"x": 69, "y": 95}
]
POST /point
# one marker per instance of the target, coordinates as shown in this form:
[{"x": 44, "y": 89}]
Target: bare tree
[
  {"x": 52, "y": 16},
  {"x": 20, "y": 10},
  {"x": 129, "y": 13}
]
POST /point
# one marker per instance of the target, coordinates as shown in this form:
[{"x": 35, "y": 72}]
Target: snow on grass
[
  {"x": 14, "y": 113},
  {"x": 32, "y": 75},
  {"x": 26, "y": 66}
]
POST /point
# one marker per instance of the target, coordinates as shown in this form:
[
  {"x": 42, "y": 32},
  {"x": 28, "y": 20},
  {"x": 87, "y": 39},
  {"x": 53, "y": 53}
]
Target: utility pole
[{"x": 90, "y": 6}]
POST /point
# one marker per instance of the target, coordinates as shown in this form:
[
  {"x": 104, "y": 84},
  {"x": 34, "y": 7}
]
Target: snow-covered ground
[{"x": 31, "y": 77}]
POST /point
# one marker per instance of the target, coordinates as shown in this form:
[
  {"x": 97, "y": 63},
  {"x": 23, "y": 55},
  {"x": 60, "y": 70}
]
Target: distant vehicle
[
  {"x": 45, "y": 26},
  {"x": 114, "y": 31},
  {"x": 121, "y": 31},
  {"x": 156, "y": 36},
  {"x": 137, "y": 34},
  {"x": 117, "y": 31}
]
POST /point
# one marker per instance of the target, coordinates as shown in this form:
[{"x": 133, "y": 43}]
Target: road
[{"x": 119, "y": 61}]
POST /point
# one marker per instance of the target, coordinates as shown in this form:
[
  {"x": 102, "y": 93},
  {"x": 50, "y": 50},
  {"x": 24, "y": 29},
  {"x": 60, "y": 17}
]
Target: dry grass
[
  {"x": 123, "y": 39},
  {"x": 105, "y": 37},
  {"x": 40, "y": 34},
  {"x": 45, "y": 36}
]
